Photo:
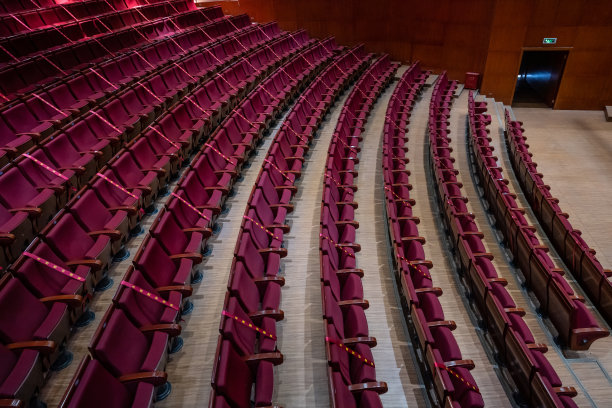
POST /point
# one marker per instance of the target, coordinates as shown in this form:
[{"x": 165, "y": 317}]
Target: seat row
[
  {"x": 75, "y": 20},
  {"x": 98, "y": 139},
  {"x": 17, "y": 6},
  {"x": 42, "y": 68},
  {"x": 577, "y": 327},
  {"x": 351, "y": 370},
  {"x": 568, "y": 242},
  {"x": 38, "y": 118},
  {"x": 253, "y": 296},
  {"x": 163, "y": 269},
  {"x": 536, "y": 380},
  {"x": 453, "y": 384}
]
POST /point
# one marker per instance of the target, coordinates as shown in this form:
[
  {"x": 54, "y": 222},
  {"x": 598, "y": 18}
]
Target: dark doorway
[{"x": 539, "y": 78}]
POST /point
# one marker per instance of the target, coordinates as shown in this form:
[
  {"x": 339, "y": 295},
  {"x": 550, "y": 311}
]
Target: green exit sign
[{"x": 549, "y": 41}]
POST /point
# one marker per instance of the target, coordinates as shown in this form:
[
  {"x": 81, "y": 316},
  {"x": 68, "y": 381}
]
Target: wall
[{"x": 484, "y": 36}]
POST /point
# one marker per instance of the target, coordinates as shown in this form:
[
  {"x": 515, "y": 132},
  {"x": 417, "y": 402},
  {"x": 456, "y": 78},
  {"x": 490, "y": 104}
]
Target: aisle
[
  {"x": 394, "y": 363},
  {"x": 302, "y": 378},
  {"x": 453, "y": 300}
]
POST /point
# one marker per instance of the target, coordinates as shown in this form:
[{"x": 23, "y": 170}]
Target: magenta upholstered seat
[
  {"x": 16, "y": 191},
  {"x": 163, "y": 269},
  {"x": 95, "y": 387},
  {"x": 177, "y": 240},
  {"x": 21, "y": 373}
]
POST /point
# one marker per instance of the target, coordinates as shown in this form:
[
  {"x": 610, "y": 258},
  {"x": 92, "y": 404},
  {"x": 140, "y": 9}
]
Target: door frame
[{"x": 518, "y": 67}]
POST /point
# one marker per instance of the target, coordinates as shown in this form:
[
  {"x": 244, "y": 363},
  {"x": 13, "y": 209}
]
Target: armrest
[
  {"x": 435, "y": 290},
  {"x": 351, "y": 341},
  {"x": 284, "y": 227},
  {"x": 378, "y": 387},
  {"x": 171, "y": 329},
  {"x": 416, "y": 220},
  {"x": 541, "y": 347},
  {"x": 155, "y": 378},
  {"x": 348, "y": 222},
  {"x": 501, "y": 281},
  {"x": 224, "y": 189},
  {"x": 214, "y": 208},
  {"x": 358, "y": 272},
  {"x": 44, "y": 347},
  {"x": 353, "y": 246},
  {"x": 473, "y": 233},
  {"x": 487, "y": 255},
  {"x": 293, "y": 189},
  {"x": 275, "y": 314},
  {"x": 569, "y": 391},
  {"x": 282, "y": 252},
  {"x": 185, "y": 290},
  {"x": 353, "y": 204},
  {"x": 94, "y": 264},
  {"x": 543, "y": 248},
  {"x": 275, "y": 358},
  {"x": 289, "y": 207},
  {"x": 408, "y": 239},
  {"x": 207, "y": 232},
  {"x": 30, "y": 210},
  {"x": 7, "y": 238},
  {"x": 131, "y": 210},
  {"x": 10, "y": 403},
  {"x": 193, "y": 256},
  {"x": 354, "y": 302},
  {"x": 72, "y": 301},
  {"x": 113, "y": 234},
  {"x": 424, "y": 262},
  {"x": 266, "y": 279},
  {"x": 450, "y": 324},
  {"x": 515, "y": 310},
  {"x": 469, "y": 364}
]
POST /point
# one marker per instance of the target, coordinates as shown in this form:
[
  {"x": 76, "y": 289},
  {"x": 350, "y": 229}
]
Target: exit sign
[{"x": 549, "y": 41}]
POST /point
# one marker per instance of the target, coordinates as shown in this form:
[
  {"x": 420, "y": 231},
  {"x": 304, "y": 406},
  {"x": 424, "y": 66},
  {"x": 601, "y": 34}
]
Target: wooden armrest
[
  {"x": 275, "y": 314},
  {"x": 185, "y": 290},
  {"x": 44, "y": 347},
  {"x": 569, "y": 391},
  {"x": 518, "y": 209},
  {"x": 435, "y": 290},
  {"x": 487, "y": 255},
  {"x": 7, "y": 238},
  {"x": 450, "y": 324},
  {"x": 354, "y": 302},
  {"x": 358, "y": 272},
  {"x": 541, "y": 347},
  {"x": 423, "y": 262},
  {"x": 473, "y": 233},
  {"x": 351, "y": 341},
  {"x": 515, "y": 310},
  {"x": 353, "y": 204},
  {"x": 289, "y": 207},
  {"x": 131, "y": 210},
  {"x": 155, "y": 378},
  {"x": 416, "y": 220},
  {"x": 378, "y": 387},
  {"x": 528, "y": 227},
  {"x": 348, "y": 222},
  {"x": 159, "y": 171},
  {"x": 266, "y": 279},
  {"x": 469, "y": 364},
  {"x": 193, "y": 256},
  {"x": 408, "y": 239},
  {"x": 282, "y": 252},
  {"x": 293, "y": 189},
  {"x": 225, "y": 190},
  {"x": 214, "y": 208},
  {"x": 94, "y": 264},
  {"x": 275, "y": 358},
  {"x": 283, "y": 227},
  {"x": 10, "y": 403},
  {"x": 30, "y": 210},
  {"x": 73, "y": 301},
  {"x": 207, "y": 232},
  {"x": 113, "y": 234},
  {"x": 171, "y": 329},
  {"x": 501, "y": 281}
]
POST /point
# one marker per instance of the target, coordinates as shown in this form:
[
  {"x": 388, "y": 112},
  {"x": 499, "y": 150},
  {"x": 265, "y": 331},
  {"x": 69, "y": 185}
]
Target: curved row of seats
[
  {"x": 133, "y": 339},
  {"x": 570, "y": 245},
  {"x": 351, "y": 371},
  {"x": 15, "y": 48},
  {"x": 42, "y": 68},
  {"x": 83, "y": 148},
  {"x": 102, "y": 213},
  {"x": 15, "y": 6},
  {"x": 535, "y": 378},
  {"x": 577, "y": 327},
  {"x": 254, "y": 284},
  {"x": 442, "y": 358},
  {"x": 29, "y": 119}
]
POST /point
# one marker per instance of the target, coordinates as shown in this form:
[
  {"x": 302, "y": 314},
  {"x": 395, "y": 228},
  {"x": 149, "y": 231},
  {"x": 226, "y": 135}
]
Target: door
[{"x": 539, "y": 78}]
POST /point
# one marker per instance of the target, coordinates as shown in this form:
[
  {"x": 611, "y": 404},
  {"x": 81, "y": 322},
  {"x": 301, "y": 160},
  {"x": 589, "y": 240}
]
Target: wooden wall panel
[{"x": 485, "y": 36}]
